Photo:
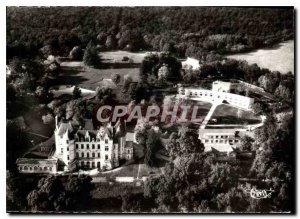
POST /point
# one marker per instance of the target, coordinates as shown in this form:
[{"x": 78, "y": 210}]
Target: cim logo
[{"x": 259, "y": 193}]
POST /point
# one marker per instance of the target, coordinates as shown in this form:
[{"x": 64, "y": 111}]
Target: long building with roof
[{"x": 222, "y": 140}]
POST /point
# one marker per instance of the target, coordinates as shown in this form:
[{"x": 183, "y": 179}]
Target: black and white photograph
[{"x": 150, "y": 109}]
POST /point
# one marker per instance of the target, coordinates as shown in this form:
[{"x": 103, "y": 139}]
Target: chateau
[{"x": 83, "y": 148}]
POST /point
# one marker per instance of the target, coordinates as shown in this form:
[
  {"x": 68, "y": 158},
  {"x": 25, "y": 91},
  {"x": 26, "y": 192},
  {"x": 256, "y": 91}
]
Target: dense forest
[{"x": 200, "y": 32}]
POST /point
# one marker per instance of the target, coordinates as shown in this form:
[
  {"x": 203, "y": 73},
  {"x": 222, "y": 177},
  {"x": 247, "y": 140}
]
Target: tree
[
  {"x": 131, "y": 202},
  {"x": 91, "y": 58},
  {"x": 50, "y": 195},
  {"x": 257, "y": 108},
  {"x": 76, "y": 53},
  {"x": 48, "y": 119},
  {"x": 79, "y": 189},
  {"x": 105, "y": 95},
  {"x": 152, "y": 145},
  {"x": 76, "y": 92},
  {"x": 246, "y": 143},
  {"x": 163, "y": 73},
  {"x": 10, "y": 93},
  {"x": 116, "y": 79},
  {"x": 185, "y": 142}
]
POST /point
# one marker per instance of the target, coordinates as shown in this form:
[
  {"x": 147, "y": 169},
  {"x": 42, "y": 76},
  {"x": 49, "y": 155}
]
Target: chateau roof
[
  {"x": 34, "y": 161},
  {"x": 82, "y": 133},
  {"x": 93, "y": 133},
  {"x": 63, "y": 127}
]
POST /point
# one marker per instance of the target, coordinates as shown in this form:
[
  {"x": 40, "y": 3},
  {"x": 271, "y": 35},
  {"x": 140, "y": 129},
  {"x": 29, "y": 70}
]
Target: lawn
[
  {"x": 117, "y": 56},
  {"x": 90, "y": 78},
  {"x": 225, "y": 114},
  {"x": 146, "y": 170},
  {"x": 128, "y": 171}
]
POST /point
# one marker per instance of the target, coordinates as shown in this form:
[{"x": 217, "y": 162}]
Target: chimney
[{"x": 56, "y": 121}]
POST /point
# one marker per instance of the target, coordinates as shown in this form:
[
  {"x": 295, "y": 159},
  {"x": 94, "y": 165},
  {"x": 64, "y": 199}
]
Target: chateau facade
[
  {"x": 82, "y": 148},
  {"x": 102, "y": 148}
]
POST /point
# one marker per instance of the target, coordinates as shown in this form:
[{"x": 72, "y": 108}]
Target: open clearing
[
  {"x": 280, "y": 58},
  {"x": 117, "y": 56},
  {"x": 90, "y": 78}
]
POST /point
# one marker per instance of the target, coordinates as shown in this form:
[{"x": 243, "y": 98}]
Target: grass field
[
  {"x": 225, "y": 114},
  {"x": 90, "y": 78},
  {"x": 117, "y": 56},
  {"x": 128, "y": 171}
]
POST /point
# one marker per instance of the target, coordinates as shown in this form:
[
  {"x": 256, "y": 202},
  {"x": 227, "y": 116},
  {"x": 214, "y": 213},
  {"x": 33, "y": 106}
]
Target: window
[
  {"x": 67, "y": 141},
  {"x": 87, "y": 146},
  {"x": 20, "y": 168},
  {"x": 106, "y": 157},
  {"x": 67, "y": 148},
  {"x": 93, "y": 164},
  {"x": 68, "y": 158},
  {"x": 93, "y": 154},
  {"x": 128, "y": 151},
  {"x": 106, "y": 148},
  {"x": 98, "y": 146},
  {"x": 62, "y": 150},
  {"x": 99, "y": 155},
  {"x": 221, "y": 141},
  {"x": 45, "y": 168},
  {"x": 76, "y": 146},
  {"x": 98, "y": 164},
  {"x": 82, "y": 164},
  {"x": 217, "y": 136},
  {"x": 217, "y": 141},
  {"x": 35, "y": 168},
  {"x": 82, "y": 146},
  {"x": 206, "y": 141},
  {"x": 77, "y": 154},
  {"x": 82, "y": 154},
  {"x": 93, "y": 146},
  {"x": 106, "y": 141},
  {"x": 41, "y": 169},
  {"x": 50, "y": 168},
  {"x": 87, "y": 154}
]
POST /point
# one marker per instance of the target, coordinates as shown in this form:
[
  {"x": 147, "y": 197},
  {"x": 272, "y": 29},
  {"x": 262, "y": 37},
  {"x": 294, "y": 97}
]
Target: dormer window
[{"x": 106, "y": 141}]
